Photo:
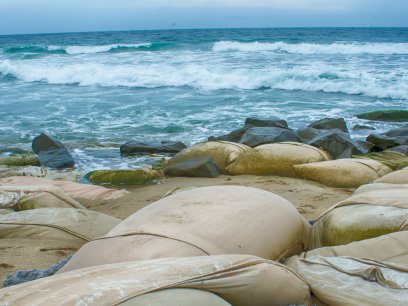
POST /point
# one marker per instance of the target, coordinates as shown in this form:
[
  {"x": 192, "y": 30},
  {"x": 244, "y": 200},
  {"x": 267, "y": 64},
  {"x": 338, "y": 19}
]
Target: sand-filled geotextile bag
[
  {"x": 362, "y": 216},
  {"x": 377, "y": 186},
  {"x": 203, "y": 221},
  {"x": 396, "y": 177},
  {"x": 75, "y": 190},
  {"x": 32, "y": 197},
  {"x": 56, "y": 223},
  {"x": 20, "y": 160},
  {"x": 223, "y": 153},
  {"x": 340, "y": 281},
  {"x": 343, "y": 173},
  {"x": 390, "y": 248},
  {"x": 124, "y": 177},
  {"x": 240, "y": 280},
  {"x": 276, "y": 159}
]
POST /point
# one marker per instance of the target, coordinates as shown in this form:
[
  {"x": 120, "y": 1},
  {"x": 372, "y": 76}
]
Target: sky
[{"x": 49, "y": 16}]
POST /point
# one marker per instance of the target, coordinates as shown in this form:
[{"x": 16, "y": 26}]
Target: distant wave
[
  {"x": 308, "y": 48},
  {"x": 310, "y": 78}
]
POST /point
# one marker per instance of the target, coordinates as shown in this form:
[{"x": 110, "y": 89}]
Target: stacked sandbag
[
  {"x": 342, "y": 281},
  {"x": 239, "y": 280},
  {"x": 56, "y": 223},
  {"x": 396, "y": 177},
  {"x": 203, "y": 221},
  {"x": 378, "y": 186},
  {"x": 276, "y": 159},
  {"x": 75, "y": 190},
  {"x": 32, "y": 197},
  {"x": 20, "y": 160},
  {"x": 223, "y": 153},
  {"x": 343, "y": 173},
  {"x": 123, "y": 177},
  {"x": 362, "y": 216}
]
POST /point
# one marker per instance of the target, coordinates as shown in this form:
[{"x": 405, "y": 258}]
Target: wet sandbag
[
  {"x": 396, "y": 177},
  {"x": 343, "y": 173},
  {"x": 32, "y": 197},
  {"x": 240, "y": 280},
  {"x": 203, "y": 221},
  {"x": 223, "y": 153},
  {"x": 75, "y": 190},
  {"x": 276, "y": 159},
  {"x": 56, "y": 223},
  {"x": 390, "y": 248},
  {"x": 377, "y": 186},
  {"x": 20, "y": 160},
  {"x": 394, "y": 160},
  {"x": 362, "y": 216},
  {"x": 340, "y": 281},
  {"x": 124, "y": 177}
]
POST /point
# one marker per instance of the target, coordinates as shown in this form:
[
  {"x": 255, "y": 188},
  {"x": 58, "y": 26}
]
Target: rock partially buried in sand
[
  {"x": 385, "y": 115},
  {"x": 135, "y": 147},
  {"x": 52, "y": 153},
  {"x": 343, "y": 173},
  {"x": 195, "y": 167},
  {"x": 124, "y": 177},
  {"x": 329, "y": 124},
  {"x": 257, "y": 136}
]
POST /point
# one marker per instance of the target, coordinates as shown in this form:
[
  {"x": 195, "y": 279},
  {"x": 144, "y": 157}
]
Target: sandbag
[
  {"x": 222, "y": 153},
  {"x": 124, "y": 177},
  {"x": 56, "y": 223},
  {"x": 20, "y": 160},
  {"x": 394, "y": 160},
  {"x": 4, "y": 211},
  {"x": 362, "y": 216},
  {"x": 32, "y": 197},
  {"x": 75, "y": 190},
  {"x": 343, "y": 173},
  {"x": 377, "y": 186},
  {"x": 240, "y": 280},
  {"x": 276, "y": 159},
  {"x": 396, "y": 177},
  {"x": 23, "y": 171},
  {"x": 203, "y": 221},
  {"x": 340, "y": 281}
]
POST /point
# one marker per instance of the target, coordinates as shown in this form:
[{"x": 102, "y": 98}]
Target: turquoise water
[{"x": 96, "y": 90}]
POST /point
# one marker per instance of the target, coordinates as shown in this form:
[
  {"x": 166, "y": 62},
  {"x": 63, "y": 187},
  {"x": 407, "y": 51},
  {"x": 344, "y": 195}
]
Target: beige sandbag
[
  {"x": 390, "y": 248},
  {"x": 32, "y": 197},
  {"x": 362, "y": 216},
  {"x": 396, "y": 177},
  {"x": 276, "y": 159},
  {"x": 177, "y": 297},
  {"x": 75, "y": 190},
  {"x": 4, "y": 211},
  {"x": 377, "y": 186},
  {"x": 343, "y": 173},
  {"x": 203, "y": 221},
  {"x": 222, "y": 153},
  {"x": 56, "y": 223},
  {"x": 340, "y": 281},
  {"x": 241, "y": 280}
]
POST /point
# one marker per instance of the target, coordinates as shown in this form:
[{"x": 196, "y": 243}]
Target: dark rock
[
  {"x": 52, "y": 153},
  {"x": 266, "y": 123},
  {"x": 307, "y": 134},
  {"x": 234, "y": 136},
  {"x": 385, "y": 115},
  {"x": 24, "y": 276},
  {"x": 329, "y": 124},
  {"x": 195, "y": 167},
  {"x": 400, "y": 149},
  {"x": 135, "y": 147},
  {"x": 390, "y": 139},
  {"x": 359, "y": 127},
  {"x": 257, "y": 136}
]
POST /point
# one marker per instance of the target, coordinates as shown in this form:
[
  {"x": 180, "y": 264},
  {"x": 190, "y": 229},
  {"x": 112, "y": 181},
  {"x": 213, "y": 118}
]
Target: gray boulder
[
  {"x": 234, "y": 136},
  {"x": 307, "y": 134},
  {"x": 136, "y": 147},
  {"x": 52, "y": 153},
  {"x": 195, "y": 167},
  {"x": 390, "y": 139},
  {"x": 266, "y": 123},
  {"x": 257, "y": 136},
  {"x": 329, "y": 124},
  {"x": 400, "y": 149},
  {"x": 359, "y": 127}
]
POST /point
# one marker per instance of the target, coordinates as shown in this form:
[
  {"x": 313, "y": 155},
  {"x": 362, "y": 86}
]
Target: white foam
[
  {"x": 95, "y": 49},
  {"x": 308, "y": 48}
]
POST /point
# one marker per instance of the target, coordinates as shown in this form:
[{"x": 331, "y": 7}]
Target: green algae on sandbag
[
  {"x": 394, "y": 160},
  {"x": 20, "y": 160},
  {"x": 385, "y": 115},
  {"x": 123, "y": 177}
]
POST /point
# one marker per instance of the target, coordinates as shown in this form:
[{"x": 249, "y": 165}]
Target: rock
[
  {"x": 386, "y": 115},
  {"x": 136, "y": 147},
  {"x": 307, "y": 134},
  {"x": 359, "y": 127},
  {"x": 52, "y": 153},
  {"x": 266, "y": 123},
  {"x": 123, "y": 177},
  {"x": 195, "y": 167},
  {"x": 390, "y": 139},
  {"x": 257, "y": 136},
  {"x": 400, "y": 149},
  {"x": 234, "y": 136},
  {"x": 329, "y": 124}
]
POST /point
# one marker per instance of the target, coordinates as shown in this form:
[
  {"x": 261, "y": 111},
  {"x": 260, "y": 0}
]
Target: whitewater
[{"x": 97, "y": 90}]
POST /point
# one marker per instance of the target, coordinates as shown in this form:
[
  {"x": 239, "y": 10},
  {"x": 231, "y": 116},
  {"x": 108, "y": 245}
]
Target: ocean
[{"x": 94, "y": 91}]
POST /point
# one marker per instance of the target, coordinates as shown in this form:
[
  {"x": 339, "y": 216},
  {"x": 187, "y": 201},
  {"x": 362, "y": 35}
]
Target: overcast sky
[{"x": 45, "y": 16}]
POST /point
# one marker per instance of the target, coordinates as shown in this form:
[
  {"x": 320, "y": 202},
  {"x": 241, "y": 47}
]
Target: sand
[{"x": 310, "y": 198}]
